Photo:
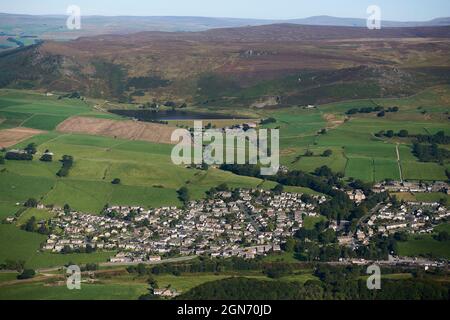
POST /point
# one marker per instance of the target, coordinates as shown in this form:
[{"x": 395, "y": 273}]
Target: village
[
  {"x": 409, "y": 217},
  {"x": 255, "y": 223},
  {"x": 241, "y": 223}
]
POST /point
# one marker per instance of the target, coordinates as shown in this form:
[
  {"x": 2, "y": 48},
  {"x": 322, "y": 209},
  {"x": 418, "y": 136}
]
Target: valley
[{"x": 85, "y": 142}]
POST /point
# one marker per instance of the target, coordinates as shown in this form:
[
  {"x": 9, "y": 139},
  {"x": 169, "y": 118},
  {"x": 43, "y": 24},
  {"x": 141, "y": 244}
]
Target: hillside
[
  {"x": 53, "y": 26},
  {"x": 287, "y": 63}
]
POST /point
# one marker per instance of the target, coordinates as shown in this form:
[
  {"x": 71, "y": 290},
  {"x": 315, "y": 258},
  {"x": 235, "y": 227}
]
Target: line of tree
[
  {"x": 183, "y": 195},
  {"x": 67, "y": 163},
  {"x": 430, "y": 153},
  {"x": 21, "y": 156},
  {"x": 268, "y": 121},
  {"x": 339, "y": 287},
  {"x": 380, "y": 110}
]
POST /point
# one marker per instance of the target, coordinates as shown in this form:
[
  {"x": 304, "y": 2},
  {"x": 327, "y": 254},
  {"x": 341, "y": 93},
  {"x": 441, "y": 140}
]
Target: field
[
  {"x": 105, "y": 149},
  {"x": 30, "y": 109},
  {"x": 128, "y": 130},
  {"x": 356, "y": 151},
  {"x": 122, "y": 286},
  {"x": 422, "y": 197},
  {"x": 11, "y": 137},
  {"x": 426, "y": 245}
]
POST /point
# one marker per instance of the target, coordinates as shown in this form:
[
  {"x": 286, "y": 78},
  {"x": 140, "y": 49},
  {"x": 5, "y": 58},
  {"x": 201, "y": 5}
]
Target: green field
[
  {"x": 149, "y": 179},
  {"x": 426, "y": 245},
  {"x": 36, "y": 110},
  {"x": 356, "y": 151},
  {"x": 39, "y": 291},
  {"x": 310, "y": 222},
  {"x": 124, "y": 287}
]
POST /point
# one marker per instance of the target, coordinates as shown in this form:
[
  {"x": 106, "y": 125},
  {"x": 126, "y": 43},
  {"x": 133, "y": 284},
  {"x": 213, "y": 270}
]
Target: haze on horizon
[{"x": 399, "y": 10}]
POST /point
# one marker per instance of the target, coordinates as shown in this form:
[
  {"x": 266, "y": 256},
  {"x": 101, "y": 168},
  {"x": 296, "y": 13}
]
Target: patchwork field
[
  {"x": 356, "y": 151},
  {"x": 11, "y": 137},
  {"x": 128, "y": 130},
  {"x": 22, "y": 108},
  {"x": 105, "y": 149}
]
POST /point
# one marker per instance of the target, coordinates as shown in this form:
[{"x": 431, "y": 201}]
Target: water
[{"x": 151, "y": 115}]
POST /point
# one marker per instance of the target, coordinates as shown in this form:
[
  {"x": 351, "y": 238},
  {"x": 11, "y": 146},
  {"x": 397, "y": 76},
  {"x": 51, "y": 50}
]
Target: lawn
[
  {"x": 36, "y": 110},
  {"x": 424, "y": 245},
  {"x": 16, "y": 244},
  {"x": 360, "y": 168},
  {"x": 40, "y": 291},
  {"x": 38, "y": 214},
  {"x": 310, "y": 222}
]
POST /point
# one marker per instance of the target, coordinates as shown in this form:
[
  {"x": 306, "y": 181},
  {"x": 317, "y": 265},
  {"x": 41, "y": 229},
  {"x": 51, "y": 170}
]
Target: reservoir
[{"x": 167, "y": 115}]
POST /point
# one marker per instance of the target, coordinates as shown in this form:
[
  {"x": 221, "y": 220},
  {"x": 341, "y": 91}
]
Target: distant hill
[
  {"x": 269, "y": 65},
  {"x": 355, "y": 22},
  {"x": 54, "y": 27}
]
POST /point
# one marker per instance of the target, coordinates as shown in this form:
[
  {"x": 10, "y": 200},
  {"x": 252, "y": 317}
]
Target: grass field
[
  {"x": 126, "y": 287},
  {"x": 36, "y": 110},
  {"x": 426, "y": 245},
  {"x": 149, "y": 179},
  {"x": 422, "y": 197},
  {"x": 39, "y": 291},
  {"x": 310, "y": 222},
  {"x": 356, "y": 151}
]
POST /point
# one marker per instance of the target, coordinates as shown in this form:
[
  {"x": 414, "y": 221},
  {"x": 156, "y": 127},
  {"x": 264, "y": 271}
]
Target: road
[
  {"x": 118, "y": 264},
  {"x": 399, "y": 163},
  {"x": 171, "y": 260}
]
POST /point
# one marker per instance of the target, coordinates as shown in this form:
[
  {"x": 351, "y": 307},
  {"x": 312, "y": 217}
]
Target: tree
[
  {"x": 328, "y": 236},
  {"x": 278, "y": 189},
  {"x": 443, "y": 236},
  {"x": 116, "y": 181},
  {"x": 390, "y": 134},
  {"x": 66, "y": 209},
  {"x": 2, "y": 159},
  {"x": 381, "y": 114},
  {"x": 31, "y": 148},
  {"x": 152, "y": 283},
  {"x": 403, "y": 133},
  {"x": 26, "y": 274},
  {"x": 327, "y": 153},
  {"x": 67, "y": 163},
  {"x": 290, "y": 244},
  {"x": 31, "y": 203},
  {"x": 183, "y": 195},
  {"x": 46, "y": 157},
  {"x": 31, "y": 225}
]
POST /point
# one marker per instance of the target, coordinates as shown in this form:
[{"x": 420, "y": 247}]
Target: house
[
  {"x": 154, "y": 258},
  {"x": 356, "y": 195},
  {"x": 345, "y": 241},
  {"x": 166, "y": 292}
]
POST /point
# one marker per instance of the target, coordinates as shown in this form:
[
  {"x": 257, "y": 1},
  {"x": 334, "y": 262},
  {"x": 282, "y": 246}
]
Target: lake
[{"x": 166, "y": 115}]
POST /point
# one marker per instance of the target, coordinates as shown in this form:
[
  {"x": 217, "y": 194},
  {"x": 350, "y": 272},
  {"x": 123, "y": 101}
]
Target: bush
[
  {"x": 31, "y": 203},
  {"x": 46, "y": 158},
  {"x": 26, "y": 274},
  {"x": 327, "y": 153},
  {"x": 13, "y": 155},
  {"x": 31, "y": 148},
  {"x": 403, "y": 133},
  {"x": 116, "y": 181}
]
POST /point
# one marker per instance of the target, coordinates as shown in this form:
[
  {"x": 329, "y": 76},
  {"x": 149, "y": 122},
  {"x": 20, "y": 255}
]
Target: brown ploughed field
[
  {"x": 10, "y": 137},
  {"x": 128, "y": 130}
]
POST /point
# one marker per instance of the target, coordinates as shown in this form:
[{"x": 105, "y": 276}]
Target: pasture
[{"x": 356, "y": 151}]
